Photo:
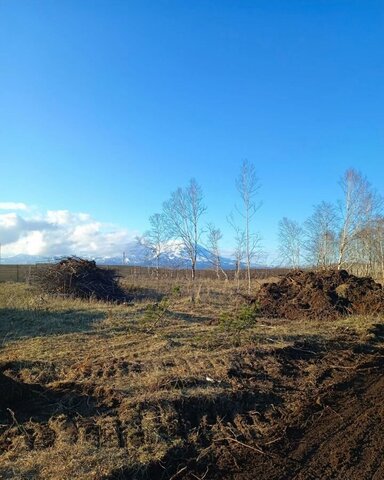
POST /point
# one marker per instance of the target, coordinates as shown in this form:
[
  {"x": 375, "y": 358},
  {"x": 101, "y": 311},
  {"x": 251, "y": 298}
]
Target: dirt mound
[
  {"x": 320, "y": 295},
  {"x": 79, "y": 278},
  {"x": 11, "y": 391}
]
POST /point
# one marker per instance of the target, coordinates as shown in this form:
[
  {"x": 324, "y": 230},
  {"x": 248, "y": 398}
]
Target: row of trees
[
  {"x": 181, "y": 219},
  {"x": 348, "y": 234}
]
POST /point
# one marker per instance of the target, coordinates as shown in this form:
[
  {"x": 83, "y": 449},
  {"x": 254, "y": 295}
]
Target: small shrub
[
  {"x": 239, "y": 320},
  {"x": 156, "y": 312},
  {"x": 176, "y": 290}
]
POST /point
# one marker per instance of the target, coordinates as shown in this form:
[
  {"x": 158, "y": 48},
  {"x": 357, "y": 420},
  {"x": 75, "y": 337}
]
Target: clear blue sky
[{"x": 107, "y": 106}]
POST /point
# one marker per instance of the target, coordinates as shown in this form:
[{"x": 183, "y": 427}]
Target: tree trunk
[{"x": 193, "y": 271}]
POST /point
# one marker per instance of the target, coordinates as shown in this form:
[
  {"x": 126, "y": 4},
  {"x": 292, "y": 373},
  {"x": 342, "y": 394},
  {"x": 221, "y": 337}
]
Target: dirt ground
[
  {"x": 338, "y": 435},
  {"x": 96, "y": 393}
]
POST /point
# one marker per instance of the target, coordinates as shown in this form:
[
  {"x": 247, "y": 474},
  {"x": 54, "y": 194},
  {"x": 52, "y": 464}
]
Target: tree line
[
  {"x": 348, "y": 234},
  {"x": 181, "y": 219}
]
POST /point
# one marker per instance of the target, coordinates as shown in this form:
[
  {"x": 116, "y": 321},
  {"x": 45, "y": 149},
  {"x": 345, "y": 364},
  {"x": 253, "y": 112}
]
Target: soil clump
[{"x": 320, "y": 295}]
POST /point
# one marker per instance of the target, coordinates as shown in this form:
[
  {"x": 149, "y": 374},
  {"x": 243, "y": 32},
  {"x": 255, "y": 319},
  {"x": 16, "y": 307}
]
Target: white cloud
[
  {"x": 13, "y": 206},
  {"x": 31, "y": 244},
  {"x": 60, "y": 232},
  {"x": 13, "y": 226}
]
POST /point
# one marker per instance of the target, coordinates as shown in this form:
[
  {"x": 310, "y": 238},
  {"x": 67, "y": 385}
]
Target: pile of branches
[{"x": 76, "y": 277}]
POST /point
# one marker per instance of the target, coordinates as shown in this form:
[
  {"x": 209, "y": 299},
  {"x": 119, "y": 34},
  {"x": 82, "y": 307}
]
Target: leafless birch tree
[
  {"x": 156, "y": 238},
  {"x": 239, "y": 247},
  {"x": 248, "y": 186},
  {"x": 321, "y": 236},
  {"x": 378, "y": 246},
  {"x": 360, "y": 205},
  {"x": 290, "y": 242},
  {"x": 182, "y": 213},
  {"x": 214, "y": 236}
]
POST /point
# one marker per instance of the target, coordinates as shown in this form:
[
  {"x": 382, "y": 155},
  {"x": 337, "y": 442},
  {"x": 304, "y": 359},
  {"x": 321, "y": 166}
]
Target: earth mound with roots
[{"x": 319, "y": 295}]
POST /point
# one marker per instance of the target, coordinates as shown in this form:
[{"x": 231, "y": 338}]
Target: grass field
[{"x": 167, "y": 389}]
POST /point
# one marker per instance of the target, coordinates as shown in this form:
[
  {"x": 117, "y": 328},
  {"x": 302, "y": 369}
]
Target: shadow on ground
[{"x": 25, "y": 323}]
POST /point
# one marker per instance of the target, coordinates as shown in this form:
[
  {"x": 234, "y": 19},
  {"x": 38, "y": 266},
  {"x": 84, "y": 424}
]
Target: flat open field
[{"x": 91, "y": 390}]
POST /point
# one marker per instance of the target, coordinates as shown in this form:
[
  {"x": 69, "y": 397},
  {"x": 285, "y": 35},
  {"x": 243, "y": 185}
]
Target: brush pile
[
  {"x": 79, "y": 278},
  {"x": 320, "y": 295}
]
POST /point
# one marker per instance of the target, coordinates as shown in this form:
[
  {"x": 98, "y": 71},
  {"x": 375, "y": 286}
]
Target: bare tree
[
  {"x": 367, "y": 248},
  {"x": 290, "y": 242},
  {"x": 214, "y": 236},
  {"x": 321, "y": 237},
  {"x": 377, "y": 235},
  {"x": 156, "y": 238},
  {"x": 359, "y": 207},
  {"x": 248, "y": 186},
  {"x": 239, "y": 247},
  {"x": 182, "y": 213}
]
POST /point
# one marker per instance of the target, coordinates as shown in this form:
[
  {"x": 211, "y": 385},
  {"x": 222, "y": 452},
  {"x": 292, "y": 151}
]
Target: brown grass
[{"x": 106, "y": 394}]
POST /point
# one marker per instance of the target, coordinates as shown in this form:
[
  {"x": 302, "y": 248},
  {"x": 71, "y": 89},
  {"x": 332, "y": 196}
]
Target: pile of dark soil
[
  {"x": 11, "y": 391},
  {"x": 79, "y": 278},
  {"x": 319, "y": 295}
]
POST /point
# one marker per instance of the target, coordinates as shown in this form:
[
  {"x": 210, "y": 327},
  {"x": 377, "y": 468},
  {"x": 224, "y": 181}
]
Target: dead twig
[
  {"x": 273, "y": 441},
  {"x": 203, "y": 477},
  {"x": 18, "y": 425},
  {"x": 178, "y": 473},
  {"x": 231, "y": 439}
]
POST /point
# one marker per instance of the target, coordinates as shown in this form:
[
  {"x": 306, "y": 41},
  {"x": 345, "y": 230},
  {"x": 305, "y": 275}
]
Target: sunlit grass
[{"x": 102, "y": 347}]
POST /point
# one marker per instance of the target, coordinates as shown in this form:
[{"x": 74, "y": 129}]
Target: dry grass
[{"x": 116, "y": 394}]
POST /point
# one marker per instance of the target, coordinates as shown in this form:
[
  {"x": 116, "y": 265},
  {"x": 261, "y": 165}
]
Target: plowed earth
[{"x": 311, "y": 410}]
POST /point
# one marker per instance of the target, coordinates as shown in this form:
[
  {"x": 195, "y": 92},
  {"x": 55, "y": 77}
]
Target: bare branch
[{"x": 182, "y": 214}]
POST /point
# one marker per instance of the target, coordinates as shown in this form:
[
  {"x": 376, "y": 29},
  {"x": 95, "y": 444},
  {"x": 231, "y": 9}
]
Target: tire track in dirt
[
  {"x": 340, "y": 437},
  {"x": 300, "y": 412}
]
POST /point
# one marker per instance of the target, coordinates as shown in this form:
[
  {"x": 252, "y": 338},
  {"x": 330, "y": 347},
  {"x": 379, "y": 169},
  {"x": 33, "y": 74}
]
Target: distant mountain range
[{"x": 135, "y": 254}]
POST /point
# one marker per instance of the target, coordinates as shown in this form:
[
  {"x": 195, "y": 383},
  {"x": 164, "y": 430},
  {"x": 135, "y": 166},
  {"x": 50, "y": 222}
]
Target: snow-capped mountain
[{"x": 136, "y": 254}]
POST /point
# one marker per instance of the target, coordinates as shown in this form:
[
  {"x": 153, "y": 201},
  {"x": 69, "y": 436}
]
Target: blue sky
[{"x": 108, "y": 106}]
